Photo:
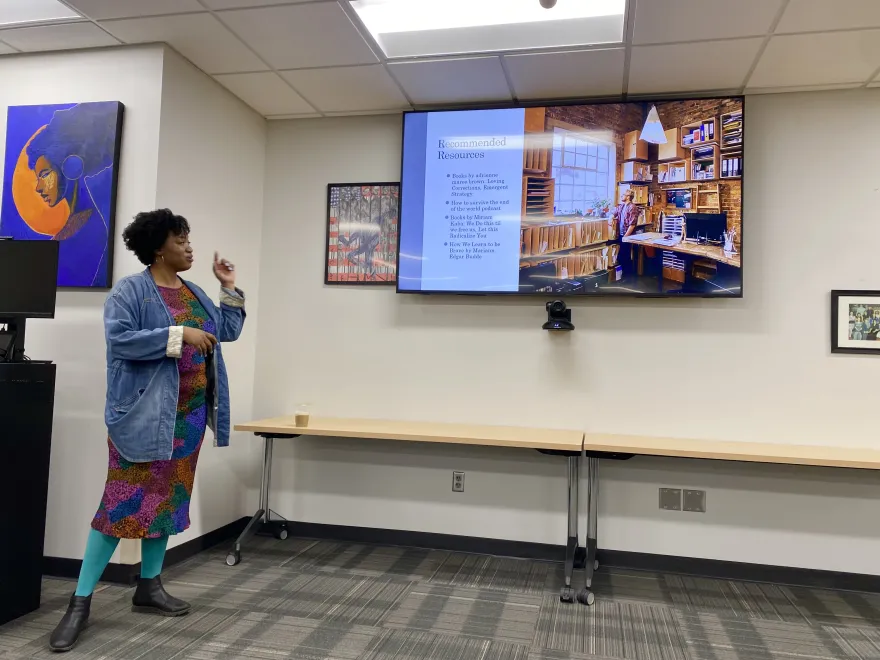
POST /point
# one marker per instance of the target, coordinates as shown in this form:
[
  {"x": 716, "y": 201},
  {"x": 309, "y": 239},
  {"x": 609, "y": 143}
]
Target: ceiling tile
[
  {"x": 301, "y": 36},
  {"x": 312, "y": 115},
  {"x": 803, "y": 88},
  {"x": 365, "y": 113},
  {"x": 58, "y": 37},
  {"x": 695, "y": 67},
  {"x": 101, "y": 9},
  {"x": 266, "y": 93},
  {"x": 818, "y": 59},
  {"x": 670, "y": 21},
  {"x": 583, "y": 73},
  {"x": 823, "y": 15},
  {"x": 242, "y": 4},
  {"x": 466, "y": 80},
  {"x": 199, "y": 37},
  {"x": 348, "y": 89}
]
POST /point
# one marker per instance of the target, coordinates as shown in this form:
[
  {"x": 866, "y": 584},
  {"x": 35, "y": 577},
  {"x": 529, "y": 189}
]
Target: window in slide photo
[{"x": 584, "y": 172}]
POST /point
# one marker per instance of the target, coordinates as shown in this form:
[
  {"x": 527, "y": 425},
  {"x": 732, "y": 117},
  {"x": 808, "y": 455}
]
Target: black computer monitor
[
  {"x": 705, "y": 227},
  {"x": 28, "y": 278}
]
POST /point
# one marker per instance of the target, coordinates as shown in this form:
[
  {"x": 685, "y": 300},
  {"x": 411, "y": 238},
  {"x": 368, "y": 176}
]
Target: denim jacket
[{"x": 142, "y": 377}]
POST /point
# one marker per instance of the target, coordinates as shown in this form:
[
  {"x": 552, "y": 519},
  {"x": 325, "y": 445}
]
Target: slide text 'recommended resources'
[{"x": 473, "y": 200}]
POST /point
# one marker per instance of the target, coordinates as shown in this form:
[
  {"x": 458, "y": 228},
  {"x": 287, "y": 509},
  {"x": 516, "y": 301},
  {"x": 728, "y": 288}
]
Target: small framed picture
[
  {"x": 855, "y": 322},
  {"x": 362, "y": 233}
]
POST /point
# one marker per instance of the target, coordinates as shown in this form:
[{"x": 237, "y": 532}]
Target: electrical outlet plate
[
  {"x": 695, "y": 501},
  {"x": 458, "y": 482},
  {"x": 670, "y": 499}
]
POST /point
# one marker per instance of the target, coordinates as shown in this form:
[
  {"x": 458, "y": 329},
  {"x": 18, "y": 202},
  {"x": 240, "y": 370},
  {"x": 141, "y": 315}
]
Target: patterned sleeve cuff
[
  {"x": 175, "y": 341},
  {"x": 232, "y": 298}
]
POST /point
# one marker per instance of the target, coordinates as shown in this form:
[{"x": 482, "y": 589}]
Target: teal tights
[{"x": 100, "y": 549}]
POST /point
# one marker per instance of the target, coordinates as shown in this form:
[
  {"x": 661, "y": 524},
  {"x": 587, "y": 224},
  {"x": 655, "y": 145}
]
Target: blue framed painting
[{"x": 61, "y": 169}]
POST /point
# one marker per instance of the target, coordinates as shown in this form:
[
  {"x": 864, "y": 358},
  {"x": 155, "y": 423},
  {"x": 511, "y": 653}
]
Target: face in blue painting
[{"x": 47, "y": 182}]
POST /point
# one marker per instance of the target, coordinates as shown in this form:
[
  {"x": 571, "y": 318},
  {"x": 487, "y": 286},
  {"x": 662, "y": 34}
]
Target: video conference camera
[{"x": 558, "y": 316}]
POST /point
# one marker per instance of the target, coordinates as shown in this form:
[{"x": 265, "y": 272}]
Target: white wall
[
  {"x": 212, "y": 155},
  {"x": 755, "y": 369},
  {"x": 74, "y": 340}
]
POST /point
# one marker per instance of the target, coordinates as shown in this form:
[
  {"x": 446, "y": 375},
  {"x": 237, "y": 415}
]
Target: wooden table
[
  {"x": 714, "y": 252},
  {"x": 548, "y": 441},
  {"x": 622, "y": 447},
  {"x": 747, "y": 452}
]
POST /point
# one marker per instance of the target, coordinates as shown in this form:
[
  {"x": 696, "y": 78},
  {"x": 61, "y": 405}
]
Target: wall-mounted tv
[{"x": 574, "y": 199}]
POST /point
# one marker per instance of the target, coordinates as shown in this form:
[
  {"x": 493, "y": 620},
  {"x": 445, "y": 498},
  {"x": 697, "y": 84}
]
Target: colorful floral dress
[{"x": 151, "y": 500}]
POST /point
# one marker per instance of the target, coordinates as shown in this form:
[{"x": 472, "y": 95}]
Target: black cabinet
[{"x": 27, "y": 397}]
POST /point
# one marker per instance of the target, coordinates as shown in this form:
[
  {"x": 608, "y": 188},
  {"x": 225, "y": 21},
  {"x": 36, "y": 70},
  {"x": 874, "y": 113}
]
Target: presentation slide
[
  {"x": 606, "y": 199},
  {"x": 471, "y": 201}
]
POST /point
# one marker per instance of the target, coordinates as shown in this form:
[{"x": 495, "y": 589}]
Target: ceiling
[{"x": 309, "y": 58}]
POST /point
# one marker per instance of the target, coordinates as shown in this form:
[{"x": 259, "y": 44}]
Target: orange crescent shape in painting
[{"x": 38, "y": 215}]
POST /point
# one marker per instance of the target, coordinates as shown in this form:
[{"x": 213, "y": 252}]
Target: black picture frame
[
  {"x": 386, "y": 215},
  {"x": 844, "y": 345}
]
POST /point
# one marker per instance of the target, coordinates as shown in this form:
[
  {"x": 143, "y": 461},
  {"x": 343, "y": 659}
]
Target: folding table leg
[
  {"x": 591, "y": 564},
  {"x": 571, "y": 546},
  {"x": 262, "y": 516}
]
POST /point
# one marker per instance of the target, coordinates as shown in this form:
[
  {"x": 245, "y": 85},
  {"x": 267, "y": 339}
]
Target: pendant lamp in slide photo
[{"x": 653, "y": 131}]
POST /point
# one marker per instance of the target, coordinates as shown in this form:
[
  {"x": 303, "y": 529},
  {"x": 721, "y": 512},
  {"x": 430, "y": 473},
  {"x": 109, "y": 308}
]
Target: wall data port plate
[{"x": 670, "y": 499}]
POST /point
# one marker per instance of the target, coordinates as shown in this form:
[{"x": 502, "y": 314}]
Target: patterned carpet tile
[
  {"x": 415, "y": 645},
  {"x": 612, "y": 629},
  {"x": 837, "y": 608},
  {"x": 344, "y": 598},
  {"x": 642, "y": 586},
  {"x": 270, "y": 637},
  {"x": 24, "y": 632},
  {"x": 718, "y": 638},
  {"x": 373, "y": 560},
  {"x": 492, "y": 615},
  {"x": 497, "y": 573},
  {"x": 860, "y": 642},
  {"x": 337, "y": 601},
  {"x": 134, "y": 636},
  {"x": 732, "y": 599},
  {"x": 259, "y": 551},
  {"x": 546, "y": 654}
]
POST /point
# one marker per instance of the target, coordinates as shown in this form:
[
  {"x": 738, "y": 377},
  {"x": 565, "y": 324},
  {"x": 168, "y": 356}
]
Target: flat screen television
[
  {"x": 28, "y": 278},
  {"x": 571, "y": 199}
]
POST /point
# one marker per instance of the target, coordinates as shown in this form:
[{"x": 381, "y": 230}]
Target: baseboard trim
[
  {"x": 732, "y": 570},
  {"x": 127, "y": 574},
  {"x": 63, "y": 567},
  {"x": 642, "y": 561},
  {"x": 428, "y": 540}
]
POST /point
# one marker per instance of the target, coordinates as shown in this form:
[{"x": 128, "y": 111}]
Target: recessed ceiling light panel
[
  {"x": 412, "y": 28},
  {"x": 29, "y": 12}
]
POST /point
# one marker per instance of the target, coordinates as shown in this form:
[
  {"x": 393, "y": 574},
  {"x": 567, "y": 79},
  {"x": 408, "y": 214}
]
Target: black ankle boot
[
  {"x": 73, "y": 622},
  {"x": 150, "y": 597}
]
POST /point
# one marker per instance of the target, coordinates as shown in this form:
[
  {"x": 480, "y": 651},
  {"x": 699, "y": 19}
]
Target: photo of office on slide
[{"x": 633, "y": 198}]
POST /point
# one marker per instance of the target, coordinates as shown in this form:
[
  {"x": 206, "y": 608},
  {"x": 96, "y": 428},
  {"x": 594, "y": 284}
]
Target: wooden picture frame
[
  {"x": 363, "y": 231},
  {"x": 855, "y": 322}
]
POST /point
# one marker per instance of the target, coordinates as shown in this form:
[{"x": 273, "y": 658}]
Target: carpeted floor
[{"x": 323, "y": 600}]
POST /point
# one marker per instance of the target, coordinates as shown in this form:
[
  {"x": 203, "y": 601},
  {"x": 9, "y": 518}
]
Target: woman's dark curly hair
[{"x": 149, "y": 231}]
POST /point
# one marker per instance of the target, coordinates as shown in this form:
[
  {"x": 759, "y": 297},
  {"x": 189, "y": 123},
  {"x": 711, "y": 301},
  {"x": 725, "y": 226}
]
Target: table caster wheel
[
  {"x": 586, "y": 597},
  {"x": 596, "y": 565},
  {"x": 281, "y": 533},
  {"x": 233, "y": 558},
  {"x": 566, "y": 595}
]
